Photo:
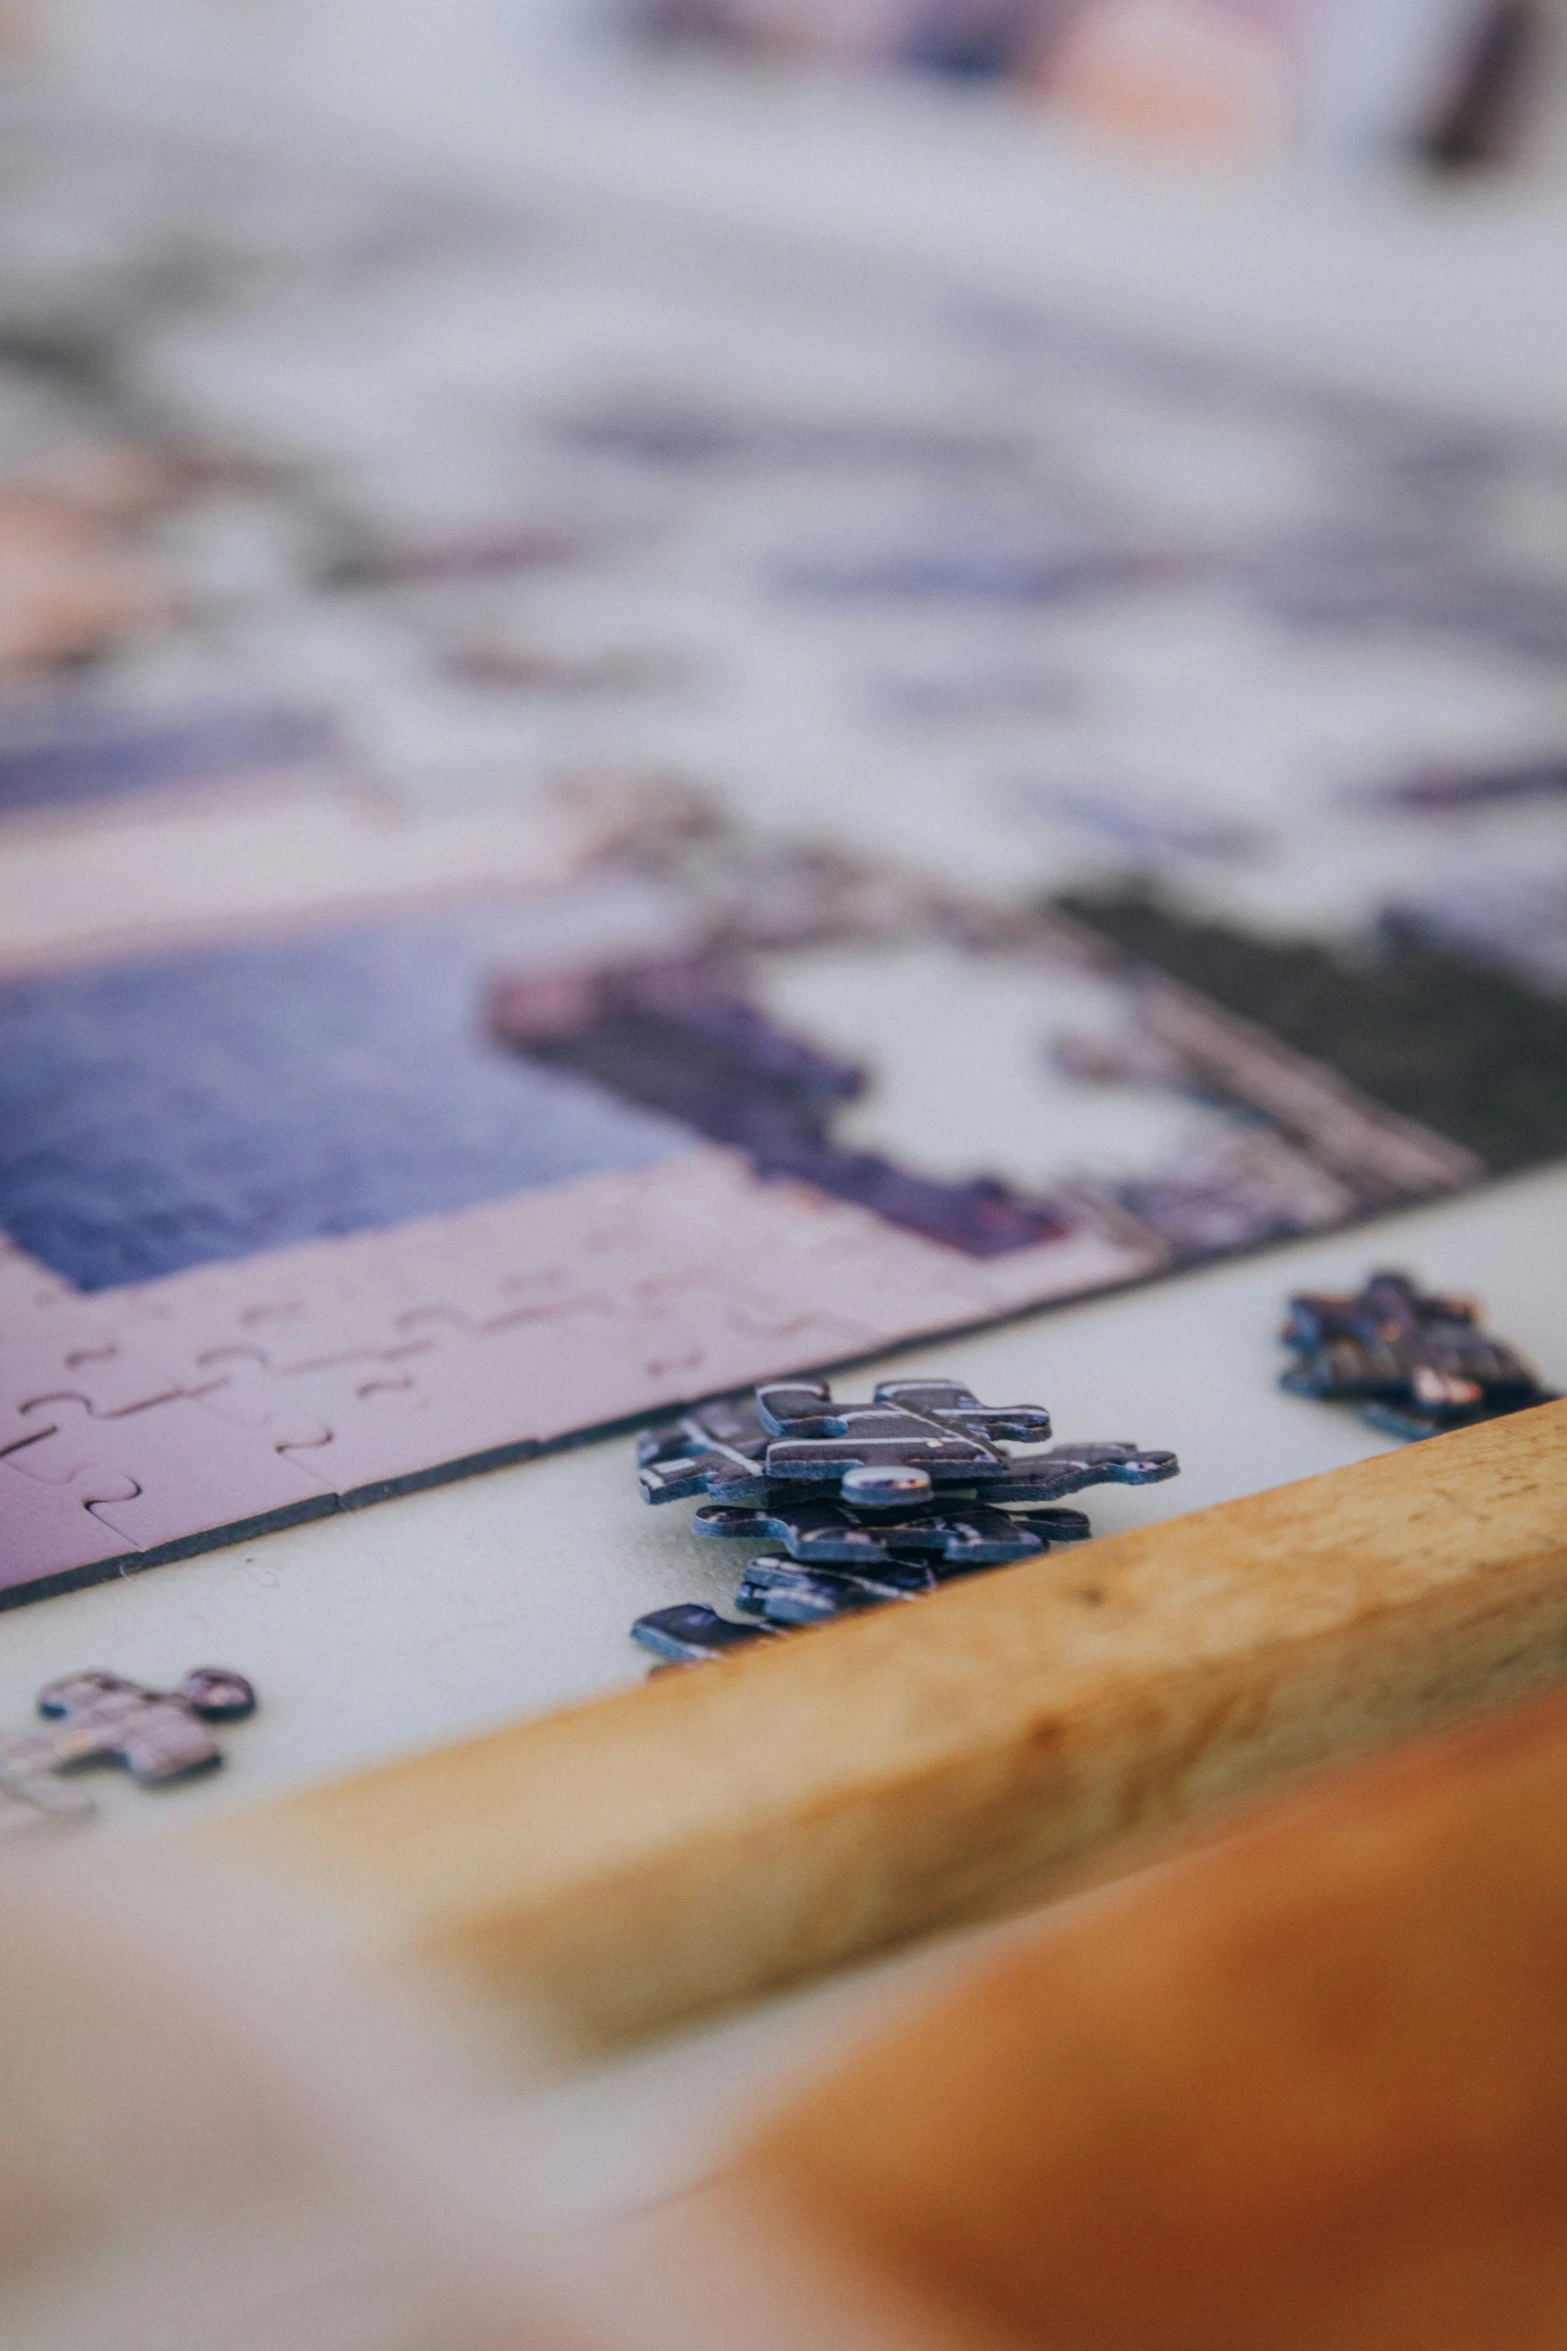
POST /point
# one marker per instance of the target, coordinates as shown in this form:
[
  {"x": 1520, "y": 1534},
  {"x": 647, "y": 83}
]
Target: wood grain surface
[
  {"x": 727, "y": 1828},
  {"x": 1303, "y": 2090}
]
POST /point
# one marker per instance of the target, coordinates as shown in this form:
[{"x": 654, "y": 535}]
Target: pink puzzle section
[{"x": 144, "y": 1424}]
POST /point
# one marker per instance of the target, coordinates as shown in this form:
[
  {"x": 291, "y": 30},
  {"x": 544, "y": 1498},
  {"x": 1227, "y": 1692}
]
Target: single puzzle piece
[
  {"x": 784, "y": 1594},
  {"x": 1419, "y": 1364},
  {"x": 725, "y": 1441},
  {"x": 54, "y": 1344},
  {"x": 157, "y": 1735},
  {"x": 51, "y": 1536},
  {"x": 963, "y": 1535},
  {"x": 913, "y": 1436},
  {"x": 1071, "y": 1469},
  {"x": 241, "y": 1386},
  {"x": 191, "y": 1472},
  {"x": 694, "y": 1635}
]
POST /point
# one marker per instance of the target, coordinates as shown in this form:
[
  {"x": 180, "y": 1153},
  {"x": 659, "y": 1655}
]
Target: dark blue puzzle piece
[
  {"x": 675, "y": 1463},
  {"x": 1417, "y": 1364},
  {"x": 1072, "y": 1469},
  {"x": 788, "y": 1596},
  {"x": 171, "y": 1112},
  {"x": 914, "y": 1436},
  {"x": 916, "y": 1441},
  {"x": 831, "y": 1534},
  {"x": 693, "y": 1635}
]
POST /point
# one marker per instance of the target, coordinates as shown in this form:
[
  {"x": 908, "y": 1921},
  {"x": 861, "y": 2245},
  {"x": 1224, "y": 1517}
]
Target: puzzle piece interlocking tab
[
  {"x": 157, "y": 1735},
  {"x": 1417, "y": 1364},
  {"x": 872, "y": 1502}
]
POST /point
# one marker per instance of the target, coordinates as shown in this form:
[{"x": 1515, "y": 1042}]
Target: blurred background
[{"x": 1439, "y": 85}]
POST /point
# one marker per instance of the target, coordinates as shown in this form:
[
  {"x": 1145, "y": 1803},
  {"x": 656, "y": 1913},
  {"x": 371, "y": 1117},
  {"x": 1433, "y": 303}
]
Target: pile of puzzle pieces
[
  {"x": 871, "y": 1502},
  {"x": 1416, "y": 1365}
]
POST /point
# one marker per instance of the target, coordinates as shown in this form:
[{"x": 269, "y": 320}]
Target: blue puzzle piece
[
  {"x": 694, "y": 1635},
  {"x": 788, "y": 1596},
  {"x": 914, "y": 1436},
  {"x": 830, "y": 1534},
  {"x": 917, "y": 1443},
  {"x": 675, "y": 1463},
  {"x": 1416, "y": 1364},
  {"x": 1072, "y": 1469}
]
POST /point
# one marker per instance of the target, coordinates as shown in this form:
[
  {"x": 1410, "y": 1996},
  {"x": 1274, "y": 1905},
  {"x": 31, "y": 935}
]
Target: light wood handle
[{"x": 723, "y": 1829}]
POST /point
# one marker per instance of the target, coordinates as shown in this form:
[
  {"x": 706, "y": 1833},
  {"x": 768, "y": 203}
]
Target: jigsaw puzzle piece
[
  {"x": 1419, "y": 1363},
  {"x": 1070, "y": 1469},
  {"x": 191, "y": 1472},
  {"x": 294, "y": 1309},
  {"x": 914, "y": 1436},
  {"x": 832, "y": 1534},
  {"x": 694, "y": 1635},
  {"x": 953, "y": 1404},
  {"x": 51, "y": 1536},
  {"x": 723, "y": 1440},
  {"x": 413, "y": 1416},
  {"x": 54, "y": 1343},
  {"x": 243, "y": 1388},
  {"x": 784, "y": 1594},
  {"x": 1058, "y": 1526}
]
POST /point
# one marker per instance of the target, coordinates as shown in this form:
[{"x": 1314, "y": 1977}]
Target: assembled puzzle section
[
  {"x": 405, "y": 1064},
  {"x": 159, "y": 1419}
]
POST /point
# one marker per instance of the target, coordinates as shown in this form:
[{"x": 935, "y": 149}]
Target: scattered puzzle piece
[
  {"x": 1417, "y": 1364},
  {"x": 157, "y": 1735},
  {"x": 694, "y": 1635}
]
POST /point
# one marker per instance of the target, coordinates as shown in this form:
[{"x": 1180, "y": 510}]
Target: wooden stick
[{"x": 727, "y": 1828}]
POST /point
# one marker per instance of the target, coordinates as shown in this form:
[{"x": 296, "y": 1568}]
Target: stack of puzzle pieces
[{"x": 871, "y": 1502}]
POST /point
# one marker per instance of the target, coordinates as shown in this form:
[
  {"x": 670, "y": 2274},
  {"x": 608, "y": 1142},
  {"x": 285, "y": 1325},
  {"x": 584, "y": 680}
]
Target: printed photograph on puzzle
[{"x": 460, "y": 987}]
